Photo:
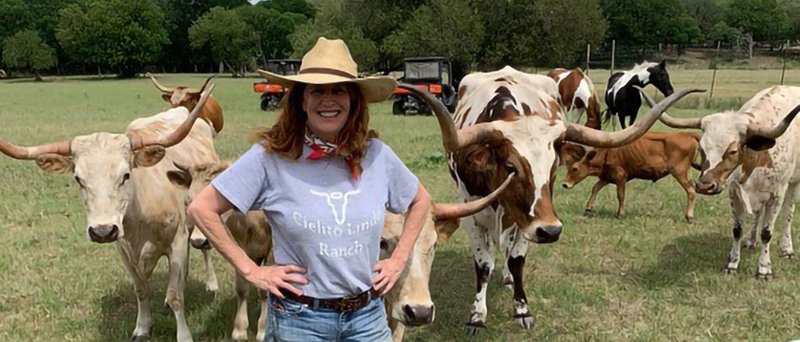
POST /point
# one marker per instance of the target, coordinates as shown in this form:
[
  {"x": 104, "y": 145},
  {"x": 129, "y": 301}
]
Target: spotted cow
[
  {"x": 755, "y": 153},
  {"x": 576, "y": 91},
  {"x": 506, "y": 122}
]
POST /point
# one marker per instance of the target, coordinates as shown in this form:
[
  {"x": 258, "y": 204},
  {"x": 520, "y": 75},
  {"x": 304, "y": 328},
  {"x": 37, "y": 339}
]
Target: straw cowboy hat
[{"x": 329, "y": 61}]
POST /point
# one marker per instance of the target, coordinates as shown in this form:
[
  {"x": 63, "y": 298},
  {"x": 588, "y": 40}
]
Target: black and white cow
[{"x": 623, "y": 99}]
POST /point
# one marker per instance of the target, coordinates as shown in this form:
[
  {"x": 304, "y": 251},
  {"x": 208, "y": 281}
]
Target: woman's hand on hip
[
  {"x": 389, "y": 271},
  {"x": 273, "y": 278}
]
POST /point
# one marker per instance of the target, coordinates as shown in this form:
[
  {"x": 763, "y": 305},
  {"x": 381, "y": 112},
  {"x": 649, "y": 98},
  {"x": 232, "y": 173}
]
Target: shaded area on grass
[{"x": 679, "y": 262}]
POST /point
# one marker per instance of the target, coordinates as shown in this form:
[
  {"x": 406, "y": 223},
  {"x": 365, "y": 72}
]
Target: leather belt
[{"x": 344, "y": 304}]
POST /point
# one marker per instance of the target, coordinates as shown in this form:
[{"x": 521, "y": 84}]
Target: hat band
[{"x": 326, "y": 71}]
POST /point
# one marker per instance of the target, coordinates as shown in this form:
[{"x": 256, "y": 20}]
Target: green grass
[{"x": 647, "y": 277}]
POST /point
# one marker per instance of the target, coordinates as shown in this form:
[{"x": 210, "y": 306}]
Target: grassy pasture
[{"x": 647, "y": 277}]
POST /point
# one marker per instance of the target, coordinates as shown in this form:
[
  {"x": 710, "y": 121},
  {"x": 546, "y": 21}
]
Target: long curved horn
[
  {"x": 159, "y": 86},
  {"x": 452, "y": 138},
  {"x": 592, "y": 137},
  {"x": 447, "y": 211},
  {"x": 777, "y": 130},
  {"x": 179, "y": 133},
  {"x": 198, "y": 92},
  {"x": 32, "y": 152},
  {"x": 668, "y": 120}
]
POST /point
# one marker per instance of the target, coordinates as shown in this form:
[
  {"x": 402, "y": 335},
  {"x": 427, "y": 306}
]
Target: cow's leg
[
  {"x": 397, "y": 328},
  {"x": 595, "y": 190},
  {"x": 787, "y": 213},
  {"x": 770, "y": 213},
  {"x": 211, "y": 277},
  {"x": 262, "y": 317},
  {"x": 178, "y": 265},
  {"x": 688, "y": 187},
  {"x": 240, "y": 322},
  {"x": 621, "y": 198},
  {"x": 739, "y": 211},
  {"x": 750, "y": 242},
  {"x": 621, "y": 120},
  {"x": 516, "y": 264},
  {"x": 507, "y": 238},
  {"x": 632, "y": 118},
  {"x": 484, "y": 265}
]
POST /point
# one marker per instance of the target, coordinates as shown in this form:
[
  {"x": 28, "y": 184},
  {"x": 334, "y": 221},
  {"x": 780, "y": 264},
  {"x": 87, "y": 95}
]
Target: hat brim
[{"x": 375, "y": 89}]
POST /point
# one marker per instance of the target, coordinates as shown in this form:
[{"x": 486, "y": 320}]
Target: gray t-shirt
[{"x": 321, "y": 218}]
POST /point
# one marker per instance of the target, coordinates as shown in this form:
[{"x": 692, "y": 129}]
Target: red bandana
[{"x": 322, "y": 149}]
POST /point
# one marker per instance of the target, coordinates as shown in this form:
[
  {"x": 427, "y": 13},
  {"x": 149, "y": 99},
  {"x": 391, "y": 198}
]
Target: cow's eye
[
  {"x": 510, "y": 168},
  {"x": 126, "y": 177},
  {"x": 732, "y": 152}
]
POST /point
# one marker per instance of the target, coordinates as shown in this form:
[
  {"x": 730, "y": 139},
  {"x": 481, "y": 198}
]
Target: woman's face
[{"x": 327, "y": 106}]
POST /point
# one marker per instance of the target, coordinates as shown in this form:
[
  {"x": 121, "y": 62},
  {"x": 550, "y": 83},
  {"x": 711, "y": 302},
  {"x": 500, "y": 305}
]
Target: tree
[
  {"x": 272, "y": 29},
  {"x": 448, "y": 28},
  {"x": 764, "y": 19},
  {"x": 25, "y": 50},
  {"x": 15, "y": 16},
  {"x": 289, "y": 6},
  {"x": 227, "y": 36},
  {"x": 646, "y": 23},
  {"x": 124, "y": 34}
]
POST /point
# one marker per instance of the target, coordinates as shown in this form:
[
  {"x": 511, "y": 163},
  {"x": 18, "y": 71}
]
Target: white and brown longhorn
[
  {"x": 508, "y": 121},
  {"x": 407, "y": 304},
  {"x": 754, "y": 152},
  {"x": 188, "y": 97},
  {"x": 124, "y": 193}
]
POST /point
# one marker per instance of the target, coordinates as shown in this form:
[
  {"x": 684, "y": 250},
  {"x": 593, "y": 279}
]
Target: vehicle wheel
[
  {"x": 425, "y": 110},
  {"x": 265, "y": 103},
  {"x": 397, "y": 108}
]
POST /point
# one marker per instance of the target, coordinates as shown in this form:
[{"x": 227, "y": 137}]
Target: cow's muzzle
[
  {"x": 104, "y": 233},
  {"x": 545, "y": 234},
  {"x": 416, "y": 315},
  {"x": 201, "y": 244},
  {"x": 708, "y": 188}
]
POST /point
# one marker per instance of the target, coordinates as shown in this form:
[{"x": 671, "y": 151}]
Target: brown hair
[{"x": 286, "y": 137}]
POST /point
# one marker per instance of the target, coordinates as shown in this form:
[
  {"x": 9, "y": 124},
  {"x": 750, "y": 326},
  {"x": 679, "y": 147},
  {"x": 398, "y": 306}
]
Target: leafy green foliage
[
  {"x": 649, "y": 22},
  {"x": 119, "y": 33},
  {"x": 272, "y": 29},
  {"x": 764, "y": 19},
  {"x": 15, "y": 15},
  {"x": 289, "y": 6},
  {"x": 226, "y": 35},
  {"x": 25, "y": 50}
]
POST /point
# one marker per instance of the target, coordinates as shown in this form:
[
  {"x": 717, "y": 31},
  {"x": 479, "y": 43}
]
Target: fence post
[
  {"x": 613, "y": 54},
  {"x": 714, "y": 74},
  {"x": 588, "y": 53},
  {"x": 783, "y": 54}
]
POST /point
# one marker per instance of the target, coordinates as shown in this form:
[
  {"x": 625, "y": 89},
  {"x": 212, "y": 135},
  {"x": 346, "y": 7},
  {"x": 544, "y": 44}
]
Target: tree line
[{"x": 130, "y": 36}]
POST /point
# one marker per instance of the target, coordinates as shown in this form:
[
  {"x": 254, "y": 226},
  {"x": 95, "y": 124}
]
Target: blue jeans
[{"x": 289, "y": 321}]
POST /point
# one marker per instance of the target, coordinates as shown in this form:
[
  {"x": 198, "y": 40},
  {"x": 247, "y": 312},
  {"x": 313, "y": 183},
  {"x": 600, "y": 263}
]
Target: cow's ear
[
  {"x": 167, "y": 97},
  {"x": 55, "y": 163},
  {"x": 759, "y": 142},
  {"x": 180, "y": 178},
  {"x": 663, "y": 64},
  {"x": 569, "y": 153},
  {"x": 148, "y": 156},
  {"x": 446, "y": 228}
]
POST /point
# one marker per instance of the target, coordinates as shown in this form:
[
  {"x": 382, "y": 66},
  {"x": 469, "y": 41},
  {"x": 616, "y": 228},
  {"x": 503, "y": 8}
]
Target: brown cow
[
  {"x": 576, "y": 91},
  {"x": 187, "y": 97},
  {"x": 651, "y": 157}
]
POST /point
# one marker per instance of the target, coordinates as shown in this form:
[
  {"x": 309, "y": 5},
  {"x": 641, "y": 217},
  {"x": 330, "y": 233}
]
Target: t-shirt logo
[{"x": 335, "y": 198}]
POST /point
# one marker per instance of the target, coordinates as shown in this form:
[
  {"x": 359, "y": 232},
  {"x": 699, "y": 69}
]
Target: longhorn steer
[
  {"x": 127, "y": 197},
  {"x": 187, "y": 97},
  {"x": 755, "y": 150},
  {"x": 576, "y": 91},
  {"x": 651, "y": 157},
  {"x": 623, "y": 100},
  {"x": 508, "y": 121},
  {"x": 407, "y": 304}
]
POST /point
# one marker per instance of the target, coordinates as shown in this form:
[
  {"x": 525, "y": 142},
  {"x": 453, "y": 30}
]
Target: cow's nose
[
  {"x": 202, "y": 244},
  {"x": 548, "y": 234},
  {"x": 418, "y": 314},
  {"x": 709, "y": 188},
  {"x": 104, "y": 233}
]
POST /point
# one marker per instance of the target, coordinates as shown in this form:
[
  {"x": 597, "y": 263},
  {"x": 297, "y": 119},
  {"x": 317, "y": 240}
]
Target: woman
[{"x": 324, "y": 183}]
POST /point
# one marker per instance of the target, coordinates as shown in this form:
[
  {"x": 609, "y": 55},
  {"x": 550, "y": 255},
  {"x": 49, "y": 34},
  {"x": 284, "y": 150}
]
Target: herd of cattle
[{"x": 505, "y": 142}]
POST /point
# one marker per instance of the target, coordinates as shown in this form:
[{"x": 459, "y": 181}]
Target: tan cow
[
  {"x": 407, "y": 304},
  {"x": 127, "y": 199},
  {"x": 187, "y": 97},
  {"x": 651, "y": 157},
  {"x": 755, "y": 152}
]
